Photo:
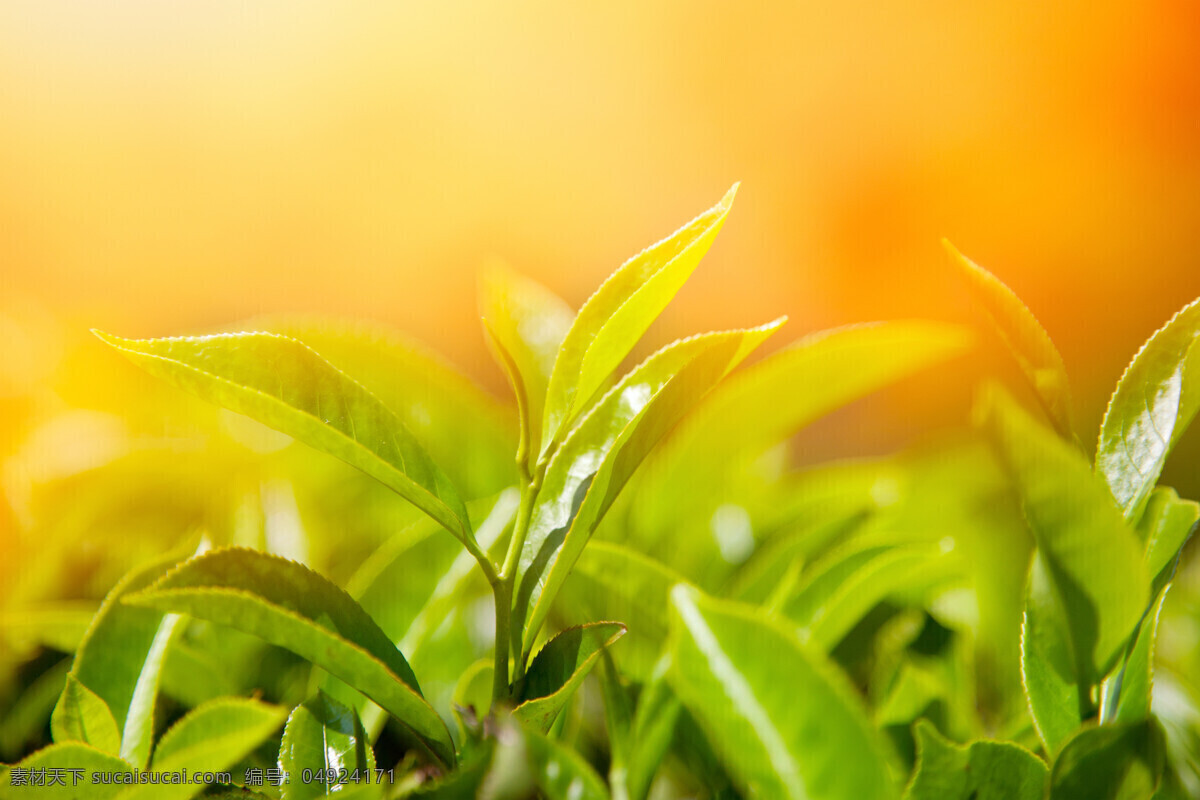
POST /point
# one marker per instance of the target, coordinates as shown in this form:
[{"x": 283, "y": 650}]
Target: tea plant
[{"x": 725, "y": 626}]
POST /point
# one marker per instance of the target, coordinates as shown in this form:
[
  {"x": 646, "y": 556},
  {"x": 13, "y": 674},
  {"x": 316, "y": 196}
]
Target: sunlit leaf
[
  {"x": 1093, "y": 558},
  {"x": 613, "y": 319},
  {"x": 1165, "y": 527},
  {"x": 594, "y": 462},
  {"x": 1136, "y": 680},
  {"x": 121, "y": 656},
  {"x": 780, "y": 717},
  {"x": 284, "y": 384},
  {"x": 528, "y": 322},
  {"x": 558, "y": 669},
  {"x": 1026, "y": 339},
  {"x": 1154, "y": 401},
  {"x": 81, "y": 716},
  {"x": 322, "y": 734},
  {"x": 1111, "y": 762},
  {"x": 982, "y": 770},
  {"x": 210, "y": 738},
  {"x": 771, "y": 400},
  {"x": 290, "y": 606}
]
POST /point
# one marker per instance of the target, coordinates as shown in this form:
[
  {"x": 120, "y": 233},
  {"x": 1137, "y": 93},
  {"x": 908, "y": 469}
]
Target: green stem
[{"x": 502, "y": 593}]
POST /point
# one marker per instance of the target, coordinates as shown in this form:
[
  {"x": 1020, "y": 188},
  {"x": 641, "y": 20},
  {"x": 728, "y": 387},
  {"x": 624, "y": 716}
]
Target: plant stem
[{"x": 502, "y": 593}]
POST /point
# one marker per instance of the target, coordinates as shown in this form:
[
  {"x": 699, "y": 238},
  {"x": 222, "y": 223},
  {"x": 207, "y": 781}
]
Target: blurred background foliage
[{"x": 171, "y": 169}]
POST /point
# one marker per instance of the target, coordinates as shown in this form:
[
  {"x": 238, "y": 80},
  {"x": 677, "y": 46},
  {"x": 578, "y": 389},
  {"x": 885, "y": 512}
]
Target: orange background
[{"x": 165, "y": 168}]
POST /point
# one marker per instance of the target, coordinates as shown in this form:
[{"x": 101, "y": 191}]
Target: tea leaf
[
  {"x": 849, "y": 583},
  {"x": 121, "y": 658},
  {"x": 613, "y": 319},
  {"x": 654, "y": 721},
  {"x": 982, "y": 770},
  {"x": 528, "y": 322},
  {"x": 1111, "y": 762},
  {"x": 1165, "y": 527},
  {"x": 81, "y": 716},
  {"x": 559, "y": 668},
  {"x": 287, "y": 386},
  {"x": 772, "y": 399},
  {"x": 779, "y": 717},
  {"x": 1151, "y": 407},
  {"x": 611, "y": 581},
  {"x": 322, "y": 734},
  {"x": 209, "y": 738},
  {"x": 1025, "y": 338},
  {"x": 1136, "y": 681},
  {"x": 66, "y": 756},
  {"x": 290, "y": 606},
  {"x": 465, "y": 430},
  {"x": 1048, "y": 672},
  {"x": 1093, "y": 558},
  {"x": 597, "y": 458},
  {"x": 559, "y": 772}
]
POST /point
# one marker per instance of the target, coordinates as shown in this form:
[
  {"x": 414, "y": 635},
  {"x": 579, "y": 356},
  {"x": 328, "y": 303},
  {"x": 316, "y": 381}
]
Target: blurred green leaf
[
  {"x": 614, "y": 582},
  {"x": 598, "y": 457},
  {"x": 284, "y": 384},
  {"x": 1155, "y": 400},
  {"x": 121, "y": 656},
  {"x": 322, "y": 734},
  {"x": 780, "y": 717},
  {"x": 558, "y": 669},
  {"x": 1093, "y": 559},
  {"x": 81, "y": 716},
  {"x": 844, "y": 586},
  {"x": 1136, "y": 680},
  {"x": 769, "y": 401},
  {"x": 982, "y": 770},
  {"x": 1026, "y": 339},
  {"x": 654, "y": 721},
  {"x": 559, "y": 772},
  {"x": 529, "y": 323},
  {"x": 60, "y": 625},
  {"x": 613, "y": 319},
  {"x": 293, "y": 607},
  {"x": 1111, "y": 762},
  {"x": 1047, "y": 665}
]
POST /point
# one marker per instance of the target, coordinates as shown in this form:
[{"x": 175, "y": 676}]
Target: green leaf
[
  {"x": 654, "y": 721},
  {"x": 1093, "y": 558},
  {"x": 1047, "y": 666},
  {"x": 848, "y": 583},
  {"x": 465, "y": 430},
  {"x": 284, "y": 384},
  {"x": 1026, "y": 339},
  {"x": 741, "y": 677},
  {"x": 528, "y": 323},
  {"x": 293, "y": 607},
  {"x": 1165, "y": 527},
  {"x": 81, "y": 716},
  {"x": 212, "y": 737},
  {"x": 61, "y": 758},
  {"x": 559, "y": 668},
  {"x": 559, "y": 772},
  {"x": 121, "y": 658},
  {"x": 58, "y": 625},
  {"x": 982, "y": 770},
  {"x": 761, "y": 406},
  {"x": 1136, "y": 681},
  {"x": 613, "y": 319},
  {"x": 1111, "y": 762},
  {"x": 1154, "y": 401},
  {"x": 598, "y": 457},
  {"x": 322, "y": 734},
  {"x": 611, "y": 581}
]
